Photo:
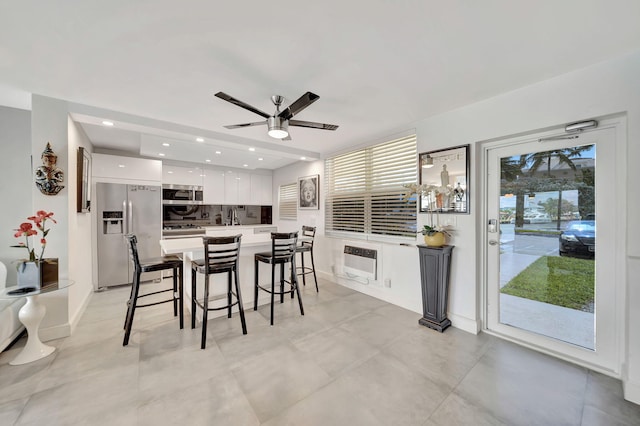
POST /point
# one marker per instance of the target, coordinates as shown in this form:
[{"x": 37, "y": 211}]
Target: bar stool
[
  {"x": 152, "y": 265},
  {"x": 306, "y": 246},
  {"x": 220, "y": 255},
  {"x": 283, "y": 250}
]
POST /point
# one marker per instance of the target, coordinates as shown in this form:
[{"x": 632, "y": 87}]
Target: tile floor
[{"x": 351, "y": 360}]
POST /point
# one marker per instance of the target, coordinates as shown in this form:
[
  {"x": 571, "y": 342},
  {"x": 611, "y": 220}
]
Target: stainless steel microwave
[{"x": 182, "y": 194}]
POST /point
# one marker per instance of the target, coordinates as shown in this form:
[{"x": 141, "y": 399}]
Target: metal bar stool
[
  {"x": 152, "y": 265},
  {"x": 306, "y": 246},
  {"x": 283, "y": 250},
  {"x": 221, "y": 255}
]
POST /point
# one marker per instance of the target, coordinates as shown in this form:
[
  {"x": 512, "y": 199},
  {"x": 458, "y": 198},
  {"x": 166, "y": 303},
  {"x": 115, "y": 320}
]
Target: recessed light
[
  {"x": 107, "y": 123},
  {"x": 161, "y": 154},
  {"x": 121, "y": 166},
  {"x": 252, "y": 149},
  {"x": 166, "y": 144},
  {"x": 260, "y": 159},
  {"x": 202, "y": 175},
  {"x": 218, "y": 152},
  {"x": 207, "y": 160},
  {"x": 190, "y": 171},
  {"x": 303, "y": 158},
  {"x": 245, "y": 165},
  {"x": 170, "y": 172},
  {"x": 199, "y": 140}
]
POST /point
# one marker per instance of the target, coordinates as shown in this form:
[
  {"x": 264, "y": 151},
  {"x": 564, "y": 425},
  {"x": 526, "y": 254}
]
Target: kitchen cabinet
[
  {"x": 244, "y": 188},
  {"x": 261, "y": 187},
  {"x": 115, "y": 168},
  {"x": 214, "y": 187},
  {"x": 178, "y": 175},
  {"x": 231, "y": 187}
]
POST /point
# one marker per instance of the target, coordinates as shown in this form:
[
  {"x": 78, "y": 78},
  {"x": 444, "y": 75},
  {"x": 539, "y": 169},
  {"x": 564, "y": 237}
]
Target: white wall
[
  {"x": 15, "y": 182},
  {"x": 80, "y": 247},
  {"x": 597, "y": 91},
  {"x": 49, "y": 124},
  {"x": 23, "y": 136}
]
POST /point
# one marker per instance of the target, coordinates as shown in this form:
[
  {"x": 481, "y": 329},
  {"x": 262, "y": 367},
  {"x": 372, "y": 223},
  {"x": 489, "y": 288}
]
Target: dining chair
[
  {"x": 152, "y": 265},
  {"x": 221, "y": 255}
]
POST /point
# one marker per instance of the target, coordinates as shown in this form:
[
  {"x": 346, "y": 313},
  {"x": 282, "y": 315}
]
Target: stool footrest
[{"x": 200, "y": 302}]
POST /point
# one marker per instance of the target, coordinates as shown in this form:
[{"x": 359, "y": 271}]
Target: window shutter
[
  {"x": 365, "y": 192},
  {"x": 287, "y": 201}
]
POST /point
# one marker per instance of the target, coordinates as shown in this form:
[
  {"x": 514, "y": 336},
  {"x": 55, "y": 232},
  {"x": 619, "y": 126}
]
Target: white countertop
[{"x": 181, "y": 245}]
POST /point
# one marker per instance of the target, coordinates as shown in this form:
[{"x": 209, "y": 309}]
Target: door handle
[{"x": 493, "y": 242}]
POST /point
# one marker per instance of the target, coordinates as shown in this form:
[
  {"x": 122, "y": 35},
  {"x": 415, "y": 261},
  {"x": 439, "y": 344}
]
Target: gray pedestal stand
[{"x": 435, "y": 267}]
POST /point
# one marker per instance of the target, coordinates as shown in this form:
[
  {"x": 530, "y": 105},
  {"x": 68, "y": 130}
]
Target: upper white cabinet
[
  {"x": 244, "y": 188},
  {"x": 223, "y": 186},
  {"x": 214, "y": 187},
  {"x": 115, "y": 168},
  {"x": 182, "y": 175},
  {"x": 261, "y": 187}
]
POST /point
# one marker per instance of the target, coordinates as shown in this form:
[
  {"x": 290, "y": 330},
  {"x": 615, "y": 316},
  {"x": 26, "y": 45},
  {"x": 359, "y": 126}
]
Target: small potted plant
[
  {"x": 31, "y": 271},
  {"x": 434, "y": 233}
]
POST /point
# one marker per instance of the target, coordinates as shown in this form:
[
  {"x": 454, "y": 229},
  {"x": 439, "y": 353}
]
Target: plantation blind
[
  {"x": 364, "y": 192},
  {"x": 287, "y": 201}
]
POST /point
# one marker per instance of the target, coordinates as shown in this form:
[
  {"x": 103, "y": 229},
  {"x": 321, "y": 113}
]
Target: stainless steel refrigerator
[{"x": 123, "y": 209}]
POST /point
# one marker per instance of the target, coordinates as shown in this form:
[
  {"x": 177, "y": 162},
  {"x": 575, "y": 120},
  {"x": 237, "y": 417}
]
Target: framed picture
[
  {"x": 446, "y": 175},
  {"x": 309, "y": 192},
  {"x": 83, "y": 181}
]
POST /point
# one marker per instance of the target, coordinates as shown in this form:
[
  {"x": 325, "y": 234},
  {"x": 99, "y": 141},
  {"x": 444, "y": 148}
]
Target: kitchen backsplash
[{"x": 212, "y": 215}]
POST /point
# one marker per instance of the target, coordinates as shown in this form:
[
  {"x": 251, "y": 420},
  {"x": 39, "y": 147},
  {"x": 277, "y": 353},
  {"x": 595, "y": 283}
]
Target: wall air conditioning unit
[{"x": 360, "y": 262}]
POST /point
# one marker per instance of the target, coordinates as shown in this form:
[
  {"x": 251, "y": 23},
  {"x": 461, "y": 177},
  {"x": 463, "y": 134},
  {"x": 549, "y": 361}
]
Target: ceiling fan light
[{"x": 278, "y": 128}]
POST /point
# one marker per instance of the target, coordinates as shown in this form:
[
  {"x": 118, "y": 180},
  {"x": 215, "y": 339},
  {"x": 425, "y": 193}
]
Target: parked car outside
[{"x": 579, "y": 239}]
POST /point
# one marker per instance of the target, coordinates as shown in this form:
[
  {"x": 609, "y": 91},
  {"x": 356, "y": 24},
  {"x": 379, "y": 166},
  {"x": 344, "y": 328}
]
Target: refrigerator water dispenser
[{"x": 112, "y": 222}]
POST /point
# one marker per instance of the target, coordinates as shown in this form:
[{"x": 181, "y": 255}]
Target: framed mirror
[
  {"x": 83, "y": 181},
  {"x": 445, "y": 175}
]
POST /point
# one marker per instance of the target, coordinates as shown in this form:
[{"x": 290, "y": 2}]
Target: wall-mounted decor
[
  {"x": 48, "y": 176},
  {"x": 309, "y": 192},
  {"x": 447, "y": 171},
  {"x": 83, "y": 200}
]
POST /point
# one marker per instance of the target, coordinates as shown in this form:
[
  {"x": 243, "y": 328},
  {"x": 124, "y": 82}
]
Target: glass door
[{"x": 548, "y": 252}]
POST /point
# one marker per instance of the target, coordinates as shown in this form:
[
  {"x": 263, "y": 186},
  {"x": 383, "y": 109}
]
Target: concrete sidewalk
[{"x": 568, "y": 325}]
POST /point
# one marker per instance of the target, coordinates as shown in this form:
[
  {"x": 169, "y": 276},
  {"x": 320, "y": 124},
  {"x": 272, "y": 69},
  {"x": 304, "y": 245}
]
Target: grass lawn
[{"x": 561, "y": 281}]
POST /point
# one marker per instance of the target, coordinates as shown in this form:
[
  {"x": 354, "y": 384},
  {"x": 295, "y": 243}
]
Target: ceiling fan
[{"x": 279, "y": 122}]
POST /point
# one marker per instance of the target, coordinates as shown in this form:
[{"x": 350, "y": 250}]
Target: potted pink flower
[{"x": 35, "y": 270}]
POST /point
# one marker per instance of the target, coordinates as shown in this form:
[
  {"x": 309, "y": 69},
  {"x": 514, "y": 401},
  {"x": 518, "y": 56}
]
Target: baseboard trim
[
  {"x": 55, "y": 332},
  {"x": 464, "y": 323},
  {"x": 631, "y": 391}
]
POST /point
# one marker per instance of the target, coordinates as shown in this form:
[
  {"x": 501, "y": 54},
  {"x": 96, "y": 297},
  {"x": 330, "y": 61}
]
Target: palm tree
[{"x": 527, "y": 165}]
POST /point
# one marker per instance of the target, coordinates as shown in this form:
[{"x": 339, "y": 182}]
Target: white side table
[{"x": 31, "y": 315}]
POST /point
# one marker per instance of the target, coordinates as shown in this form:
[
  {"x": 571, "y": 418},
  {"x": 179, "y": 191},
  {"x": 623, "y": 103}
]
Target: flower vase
[
  {"x": 48, "y": 271},
  {"x": 437, "y": 239},
  {"x": 28, "y": 275}
]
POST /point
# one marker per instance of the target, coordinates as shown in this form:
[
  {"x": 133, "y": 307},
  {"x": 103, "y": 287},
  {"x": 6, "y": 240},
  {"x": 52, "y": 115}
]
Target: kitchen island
[{"x": 193, "y": 248}]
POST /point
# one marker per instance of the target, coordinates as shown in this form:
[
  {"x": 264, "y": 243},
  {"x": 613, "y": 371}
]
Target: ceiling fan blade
[
  {"x": 241, "y": 104},
  {"x": 313, "y": 125},
  {"x": 238, "y": 126},
  {"x": 301, "y": 103}
]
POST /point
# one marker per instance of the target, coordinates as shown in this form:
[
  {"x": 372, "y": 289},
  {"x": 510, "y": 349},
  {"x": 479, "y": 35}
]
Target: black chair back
[
  {"x": 221, "y": 253},
  {"x": 283, "y": 245},
  {"x": 309, "y": 232},
  {"x": 133, "y": 250}
]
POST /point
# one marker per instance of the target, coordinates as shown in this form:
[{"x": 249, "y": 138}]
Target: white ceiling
[{"x": 378, "y": 66}]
